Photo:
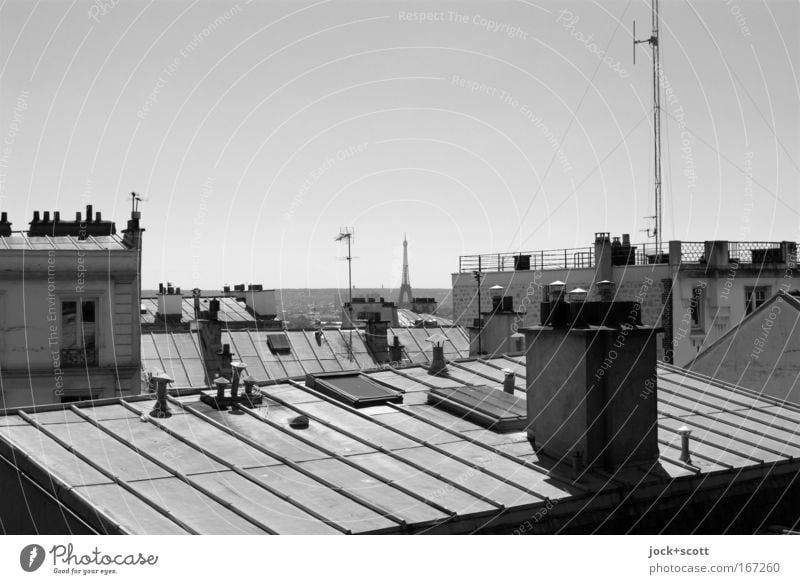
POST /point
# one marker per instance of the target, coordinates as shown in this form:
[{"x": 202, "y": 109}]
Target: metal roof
[
  {"x": 178, "y": 353},
  {"x": 230, "y": 310},
  {"x": 393, "y": 468},
  {"x": 409, "y": 318},
  {"x": 21, "y": 240}
]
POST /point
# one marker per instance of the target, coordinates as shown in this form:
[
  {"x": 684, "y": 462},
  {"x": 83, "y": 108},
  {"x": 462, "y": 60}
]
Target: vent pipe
[
  {"x": 685, "y": 433},
  {"x": 161, "y": 408}
]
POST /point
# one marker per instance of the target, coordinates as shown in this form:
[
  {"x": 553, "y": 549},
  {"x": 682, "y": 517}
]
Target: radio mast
[{"x": 653, "y": 42}]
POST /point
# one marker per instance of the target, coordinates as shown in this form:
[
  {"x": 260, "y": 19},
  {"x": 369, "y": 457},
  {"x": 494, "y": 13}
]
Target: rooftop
[
  {"x": 178, "y": 354},
  {"x": 407, "y": 467},
  {"x": 21, "y": 240}
]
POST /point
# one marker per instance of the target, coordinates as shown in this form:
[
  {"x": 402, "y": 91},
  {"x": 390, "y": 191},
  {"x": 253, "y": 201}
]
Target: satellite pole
[{"x": 653, "y": 42}]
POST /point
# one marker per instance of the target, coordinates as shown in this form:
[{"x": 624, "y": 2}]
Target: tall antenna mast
[
  {"x": 653, "y": 42},
  {"x": 346, "y": 234}
]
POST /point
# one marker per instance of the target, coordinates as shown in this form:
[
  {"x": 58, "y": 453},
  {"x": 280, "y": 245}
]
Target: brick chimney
[{"x": 591, "y": 386}]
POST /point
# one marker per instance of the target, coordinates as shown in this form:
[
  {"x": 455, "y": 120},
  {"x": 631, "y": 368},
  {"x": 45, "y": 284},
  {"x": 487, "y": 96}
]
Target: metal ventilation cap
[{"x": 161, "y": 376}]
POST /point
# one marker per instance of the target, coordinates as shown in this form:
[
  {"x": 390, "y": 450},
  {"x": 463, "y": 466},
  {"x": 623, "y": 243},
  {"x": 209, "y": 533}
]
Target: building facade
[
  {"x": 696, "y": 292},
  {"x": 69, "y": 305}
]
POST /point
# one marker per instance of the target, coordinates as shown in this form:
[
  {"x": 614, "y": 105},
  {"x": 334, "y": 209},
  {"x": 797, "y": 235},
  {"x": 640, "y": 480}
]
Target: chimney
[
  {"x": 88, "y": 213},
  {"x": 588, "y": 388},
  {"x": 210, "y": 337},
  {"x": 602, "y": 256},
  {"x": 5, "y": 226},
  {"x": 438, "y": 366},
  {"x": 508, "y": 381},
  {"x": 261, "y": 303},
  {"x": 170, "y": 303},
  {"x": 132, "y": 234},
  {"x": 161, "y": 407},
  {"x": 377, "y": 341},
  {"x": 396, "y": 350}
]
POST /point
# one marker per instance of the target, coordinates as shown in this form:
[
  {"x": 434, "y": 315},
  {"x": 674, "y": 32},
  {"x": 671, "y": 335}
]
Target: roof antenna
[
  {"x": 346, "y": 234},
  {"x": 653, "y": 42}
]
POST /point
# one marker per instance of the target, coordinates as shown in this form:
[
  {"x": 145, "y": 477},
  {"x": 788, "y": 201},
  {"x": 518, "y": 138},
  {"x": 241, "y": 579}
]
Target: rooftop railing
[
  {"x": 556, "y": 259},
  {"x": 692, "y": 252}
]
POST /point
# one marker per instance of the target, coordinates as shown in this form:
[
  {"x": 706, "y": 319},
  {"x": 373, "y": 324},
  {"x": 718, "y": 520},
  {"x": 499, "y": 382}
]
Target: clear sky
[{"x": 257, "y": 129}]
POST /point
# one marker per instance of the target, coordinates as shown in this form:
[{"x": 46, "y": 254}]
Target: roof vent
[{"x": 299, "y": 423}]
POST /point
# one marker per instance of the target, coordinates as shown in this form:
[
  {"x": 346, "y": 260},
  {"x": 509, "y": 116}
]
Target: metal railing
[
  {"x": 740, "y": 252},
  {"x": 553, "y": 259},
  {"x": 691, "y": 252}
]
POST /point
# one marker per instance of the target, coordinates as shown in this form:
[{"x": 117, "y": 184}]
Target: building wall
[
  {"x": 32, "y": 288},
  {"x": 643, "y": 284},
  {"x": 761, "y": 354},
  {"x": 723, "y": 303}
]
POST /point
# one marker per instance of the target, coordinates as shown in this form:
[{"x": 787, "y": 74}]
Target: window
[
  {"x": 696, "y": 307},
  {"x": 78, "y": 332},
  {"x": 278, "y": 343},
  {"x": 354, "y": 389},
  {"x": 755, "y": 296}
]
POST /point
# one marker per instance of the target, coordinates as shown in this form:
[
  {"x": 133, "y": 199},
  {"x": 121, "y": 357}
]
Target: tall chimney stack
[{"x": 590, "y": 387}]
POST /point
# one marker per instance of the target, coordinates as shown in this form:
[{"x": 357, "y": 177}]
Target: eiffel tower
[{"x": 405, "y": 285}]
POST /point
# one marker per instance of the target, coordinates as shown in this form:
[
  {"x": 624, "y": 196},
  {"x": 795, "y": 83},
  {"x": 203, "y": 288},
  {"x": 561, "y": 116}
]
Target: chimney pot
[
  {"x": 88, "y": 213},
  {"x": 46, "y": 218},
  {"x": 36, "y": 216},
  {"x": 438, "y": 365},
  {"x": 56, "y": 216},
  {"x": 508, "y": 381},
  {"x": 4, "y": 217},
  {"x": 78, "y": 217},
  {"x": 98, "y": 217}
]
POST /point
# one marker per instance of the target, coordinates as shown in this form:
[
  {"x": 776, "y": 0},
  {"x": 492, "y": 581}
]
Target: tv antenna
[
  {"x": 653, "y": 42},
  {"x": 346, "y": 235},
  {"x": 135, "y": 200}
]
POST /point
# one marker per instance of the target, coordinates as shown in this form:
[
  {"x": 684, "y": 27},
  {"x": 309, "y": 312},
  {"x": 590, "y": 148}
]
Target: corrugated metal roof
[
  {"x": 21, "y": 240},
  {"x": 407, "y": 467}
]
